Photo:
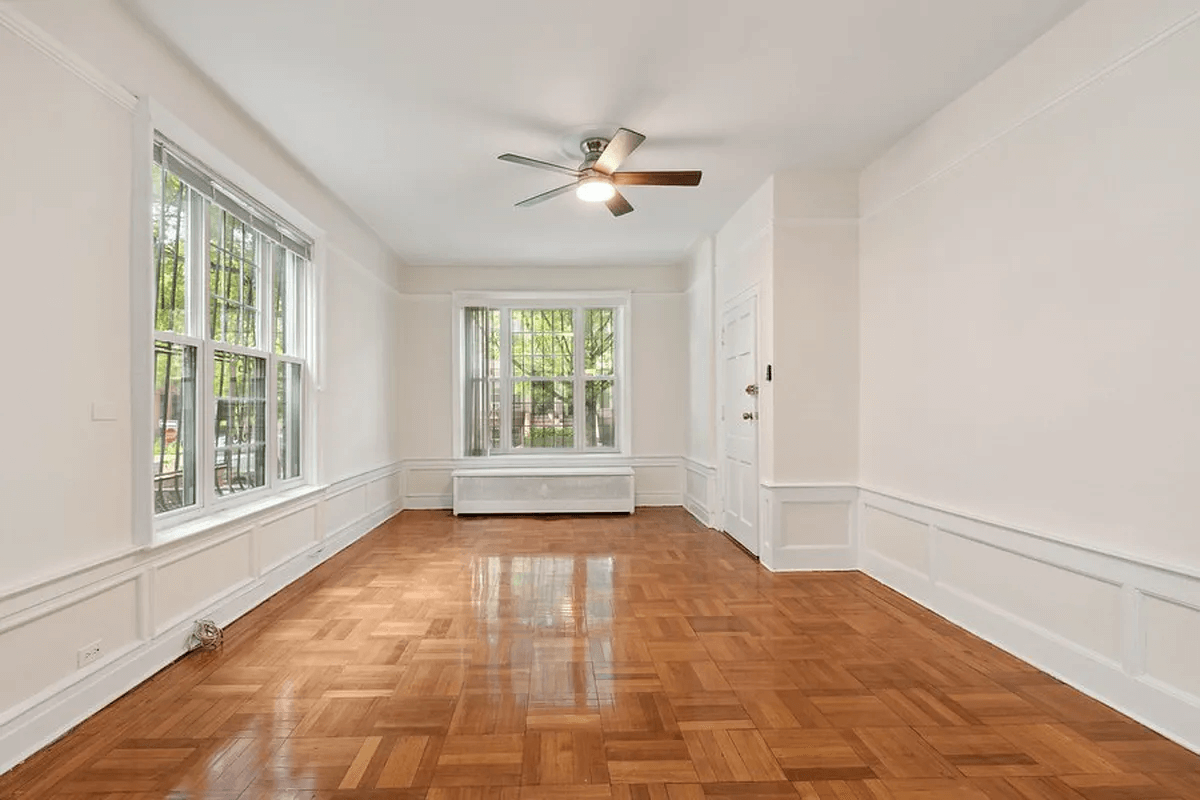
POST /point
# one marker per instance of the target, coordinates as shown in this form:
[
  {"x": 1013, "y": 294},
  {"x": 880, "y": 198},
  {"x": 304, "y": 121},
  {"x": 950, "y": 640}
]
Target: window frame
[
  {"x": 212, "y": 509},
  {"x": 578, "y": 302}
]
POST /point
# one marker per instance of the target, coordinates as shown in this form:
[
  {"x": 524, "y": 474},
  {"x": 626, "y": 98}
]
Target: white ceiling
[{"x": 401, "y": 107}]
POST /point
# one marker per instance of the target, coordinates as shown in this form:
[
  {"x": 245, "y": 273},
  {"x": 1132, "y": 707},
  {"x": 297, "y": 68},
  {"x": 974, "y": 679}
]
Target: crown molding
[{"x": 16, "y": 22}]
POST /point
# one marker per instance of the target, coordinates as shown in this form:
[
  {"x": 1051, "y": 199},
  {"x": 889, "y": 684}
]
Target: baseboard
[
  {"x": 58, "y": 708},
  {"x": 429, "y": 501},
  {"x": 1114, "y": 627},
  {"x": 700, "y": 513},
  {"x": 812, "y": 559},
  {"x": 657, "y": 498}
]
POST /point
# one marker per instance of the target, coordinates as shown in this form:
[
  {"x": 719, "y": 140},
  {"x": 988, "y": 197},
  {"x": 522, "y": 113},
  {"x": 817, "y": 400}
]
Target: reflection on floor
[{"x": 598, "y": 657}]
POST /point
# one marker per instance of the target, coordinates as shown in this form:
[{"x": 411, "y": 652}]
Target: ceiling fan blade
[
  {"x": 544, "y": 196},
  {"x": 675, "y": 178},
  {"x": 623, "y": 142},
  {"x": 533, "y": 162},
  {"x": 618, "y": 205}
]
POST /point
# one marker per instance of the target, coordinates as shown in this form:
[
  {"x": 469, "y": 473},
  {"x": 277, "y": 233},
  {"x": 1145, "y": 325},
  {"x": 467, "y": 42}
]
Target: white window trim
[
  {"x": 623, "y": 452},
  {"x": 150, "y": 529}
]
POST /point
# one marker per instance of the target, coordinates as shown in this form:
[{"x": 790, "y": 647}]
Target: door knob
[
  {"x": 752, "y": 388},
  {"x": 750, "y": 415}
]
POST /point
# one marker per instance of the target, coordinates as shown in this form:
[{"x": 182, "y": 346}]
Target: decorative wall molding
[
  {"x": 1100, "y": 624},
  {"x": 658, "y": 480},
  {"x": 428, "y": 482},
  {"x": 700, "y": 492},
  {"x": 1117, "y": 628},
  {"x": 296, "y": 535},
  {"x": 806, "y": 527},
  {"x": 13, "y": 20}
]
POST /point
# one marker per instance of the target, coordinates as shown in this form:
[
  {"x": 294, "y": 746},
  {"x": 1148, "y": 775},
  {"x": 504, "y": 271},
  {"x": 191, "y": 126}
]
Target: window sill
[{"x": 231, "y": 517}]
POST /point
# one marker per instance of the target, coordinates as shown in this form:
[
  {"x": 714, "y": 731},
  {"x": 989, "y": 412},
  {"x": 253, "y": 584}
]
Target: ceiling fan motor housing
[{"x": 592, "y": 148}]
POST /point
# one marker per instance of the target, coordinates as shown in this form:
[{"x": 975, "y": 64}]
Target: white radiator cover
[{"x": 543, "y": 490}]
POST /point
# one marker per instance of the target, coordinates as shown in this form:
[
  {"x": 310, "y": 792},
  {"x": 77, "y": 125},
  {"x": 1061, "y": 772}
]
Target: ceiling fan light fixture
[
  {"x": 595, "y": 190},
  {"x": 597, "y": 178}
]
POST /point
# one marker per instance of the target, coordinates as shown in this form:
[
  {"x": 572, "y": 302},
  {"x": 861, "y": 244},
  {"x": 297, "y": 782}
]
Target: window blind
[{"x": 224, "y": 193}]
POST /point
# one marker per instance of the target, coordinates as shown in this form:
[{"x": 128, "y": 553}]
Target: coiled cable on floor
[{"x": 207, "y": 635}]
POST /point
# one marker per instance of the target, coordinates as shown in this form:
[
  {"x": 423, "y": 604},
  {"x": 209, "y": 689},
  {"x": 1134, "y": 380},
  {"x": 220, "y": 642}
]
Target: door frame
[{"x": 750, "y": 293}]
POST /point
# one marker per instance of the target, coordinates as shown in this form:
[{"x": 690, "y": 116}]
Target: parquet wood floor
[{"x": 598, "y": 658}]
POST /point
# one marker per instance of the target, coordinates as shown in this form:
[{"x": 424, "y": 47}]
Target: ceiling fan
[{"x": 597, "y": 179}]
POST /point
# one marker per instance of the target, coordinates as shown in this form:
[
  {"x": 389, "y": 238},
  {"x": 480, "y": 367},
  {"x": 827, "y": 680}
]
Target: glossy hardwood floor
[{"x": 593, "y": 658}]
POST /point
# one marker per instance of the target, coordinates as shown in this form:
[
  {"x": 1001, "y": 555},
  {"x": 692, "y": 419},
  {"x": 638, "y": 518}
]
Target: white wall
[
  {"x": 1029, "y": 333},
  {"x": 812, "y": 400},
  {"x": 64, "y": 211},
  {"x": 815, "y": 282},
  {"x": 1029, "y": 275},
  {"x": 361, "y": 393},
  {"x": 658, "y": 373},
  {"x": 701, "y": 433},
  {"x": 72, "y": 571},
  {"x": 700, "y": 455}
]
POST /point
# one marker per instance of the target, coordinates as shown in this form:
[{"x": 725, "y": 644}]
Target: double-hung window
[
  {"x": 229, "y": 341},
  {"x": 542, "y": 374}
]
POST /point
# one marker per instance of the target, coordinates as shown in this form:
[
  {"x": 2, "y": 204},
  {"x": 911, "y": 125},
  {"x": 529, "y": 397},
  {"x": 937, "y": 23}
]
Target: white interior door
[{"x": 739, "y": 423}]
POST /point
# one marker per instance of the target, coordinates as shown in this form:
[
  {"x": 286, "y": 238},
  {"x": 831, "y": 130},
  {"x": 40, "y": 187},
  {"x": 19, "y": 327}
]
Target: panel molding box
[
  {"x": 141, "y": 603},
  {"x": 1120, "y": 629},
  {"x": 658, "y": 480},
  {"x": 808, "y": 527},
  {"x": 700, "y": 489}
]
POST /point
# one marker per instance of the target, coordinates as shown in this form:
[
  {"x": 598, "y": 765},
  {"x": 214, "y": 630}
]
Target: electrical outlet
[{"x": 89, "y": 653}]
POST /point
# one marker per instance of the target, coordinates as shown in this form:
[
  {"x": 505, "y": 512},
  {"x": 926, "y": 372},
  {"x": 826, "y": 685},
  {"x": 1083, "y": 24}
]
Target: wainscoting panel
[
  {"x": 1172, "y": 631},
  {"x": 428, "y": 483},
  {"x": 658, "y": 481},
  {"x": 343, "y": 506},
  {"x": 807, "y": 527},
  {"x": 140, "y": 606},
  {"x": 1124, "y": 631},
  {"x": 189, "y": 582},
  {"x": 904, "y": 541},
  {"x": 1082, "y": 608},
  {"x": 41, "y": 650},
  {"x": 700, "y": 495},
  {"x": 283, "y": 537},
  {"x": 384, "y": 490}
]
